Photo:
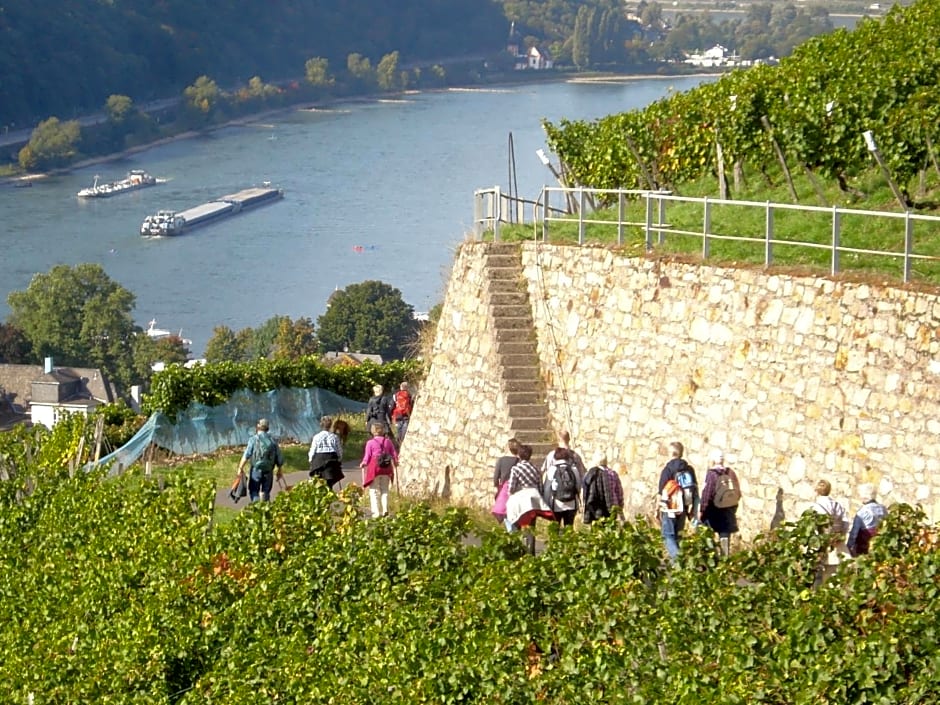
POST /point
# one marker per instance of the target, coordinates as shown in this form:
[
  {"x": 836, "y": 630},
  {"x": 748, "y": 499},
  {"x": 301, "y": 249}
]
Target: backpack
[
  {"x": 727, "y": 492},
  {"x": 402, "y": 403},
  {"x": 595, "y": 506},
  {"x": 263, "y": 454},
  {"x": 376, "y": 409},
  {"x": 565, "y": 483},
  {"x": 384, "y": 459},
  {"x": 685, "y": 478},
  {"x": 673, "y": 496}
]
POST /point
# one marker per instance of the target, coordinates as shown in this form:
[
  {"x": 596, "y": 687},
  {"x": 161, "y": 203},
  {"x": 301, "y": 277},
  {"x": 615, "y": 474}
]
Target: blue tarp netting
[{"x": 291, "y": 413}]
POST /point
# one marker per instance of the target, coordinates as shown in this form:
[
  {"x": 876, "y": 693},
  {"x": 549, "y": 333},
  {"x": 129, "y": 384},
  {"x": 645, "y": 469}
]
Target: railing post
[
  {"x": 661, "y": 214},
  {"x": 580, "y": 215},
  {"x": 836, "y": 237},
  {"x": 768, "y": 234},
  {"x": 649, "y": 222},
  {"x": 706, "y": 225},
  {"x": 908, "y": 245},
  {"x": 546, "y": 189},
  {"x": 497, "y": 212},
  {"x": 477, "y": 215},
  {"x": 620, "y": 202}
]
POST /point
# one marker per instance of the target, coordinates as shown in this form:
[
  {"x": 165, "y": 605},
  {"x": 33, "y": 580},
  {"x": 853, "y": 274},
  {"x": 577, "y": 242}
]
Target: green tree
[
  {"x": 360, "y": 69},
  {"x": 225, "y": 346},
  {"x": 78, "y": 316},
  {"x": 202, "y": 100},
  {"x": 147, "y": 351},
  {"x": 295, "y": 339},
  {"x": 118, "y": 108},
  {"x": 370, "y": 317},
  {"x": 53, "y": 143},
  {"x": 317, "y": 72},
  {"x": 14, "y": 346},
  {"x": 386, "y": 73},
  {"x": 582, "y": 39}
]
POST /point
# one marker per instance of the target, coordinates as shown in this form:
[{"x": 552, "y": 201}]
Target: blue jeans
[
  {"x": 259, "y": 485},
  {"x": 671, "y": 528},
  {"x": 402, "y": 427}
]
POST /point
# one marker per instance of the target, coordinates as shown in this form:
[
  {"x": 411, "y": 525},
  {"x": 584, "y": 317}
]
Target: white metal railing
[{"x": 646, "y": 211}]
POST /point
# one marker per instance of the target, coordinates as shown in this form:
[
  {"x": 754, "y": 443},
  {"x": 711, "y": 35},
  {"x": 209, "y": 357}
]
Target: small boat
[
  {"x": 160, "y": 333},
  {"x": 135, "y": 179},
  {"x": 166, "y": 222}
]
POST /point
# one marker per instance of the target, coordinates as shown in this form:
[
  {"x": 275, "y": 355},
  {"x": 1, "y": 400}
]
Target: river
[{"x": 373, "y": 190}]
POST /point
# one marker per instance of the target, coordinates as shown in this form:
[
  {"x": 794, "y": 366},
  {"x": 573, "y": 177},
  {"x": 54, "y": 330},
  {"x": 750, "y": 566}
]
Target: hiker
[
  {"x": 264, "y": 455},
  {"x": 561, "y": 486},
  {"x": 401, "y": 412},
  {"x": 326, "y": 453},
  {"x": 501, "y": 479},
  {"x": 866, "y": 522},
  {"x": 602, "y": 491},
  {"x": 379, "y": 461},
  {"x": 377, "y": 410},
  {"x": 673, "y": 500},
  {"x": 563, "y": 440},
  {"x": 824, "y": 504},
  {"x": 525, "y": 503},
  {"x": 720, "y": 497}
]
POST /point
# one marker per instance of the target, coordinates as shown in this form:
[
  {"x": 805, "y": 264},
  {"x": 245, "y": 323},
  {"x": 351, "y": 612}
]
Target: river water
[{"x": 373, "y": 190}]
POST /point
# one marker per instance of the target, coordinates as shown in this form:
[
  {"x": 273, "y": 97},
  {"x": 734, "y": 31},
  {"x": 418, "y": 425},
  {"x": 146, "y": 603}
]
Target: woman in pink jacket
[{"x": 379, "y": 461}]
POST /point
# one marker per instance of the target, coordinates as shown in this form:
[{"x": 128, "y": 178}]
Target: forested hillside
[{"x": 62, "y": 57}]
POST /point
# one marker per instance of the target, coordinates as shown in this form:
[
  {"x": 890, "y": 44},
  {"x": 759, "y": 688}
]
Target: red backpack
[{"x": 402, "y": 403}]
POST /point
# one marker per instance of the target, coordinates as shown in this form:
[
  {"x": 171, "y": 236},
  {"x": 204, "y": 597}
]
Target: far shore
[{"x": 333, "y": 102}]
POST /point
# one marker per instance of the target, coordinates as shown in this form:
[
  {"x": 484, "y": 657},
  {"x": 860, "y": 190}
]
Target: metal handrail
[{"x": 491, "y": 206}]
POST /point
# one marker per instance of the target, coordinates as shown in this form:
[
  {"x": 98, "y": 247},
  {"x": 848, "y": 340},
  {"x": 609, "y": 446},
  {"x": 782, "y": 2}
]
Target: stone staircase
[{"x": 521, "y": 377}]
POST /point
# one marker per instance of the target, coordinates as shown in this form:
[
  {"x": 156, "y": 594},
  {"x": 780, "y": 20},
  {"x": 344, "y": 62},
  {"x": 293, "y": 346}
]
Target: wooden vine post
[{"x": 783, "y": 162}]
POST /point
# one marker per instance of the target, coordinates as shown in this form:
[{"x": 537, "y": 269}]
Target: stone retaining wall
[{"x": 795, "y": 378}]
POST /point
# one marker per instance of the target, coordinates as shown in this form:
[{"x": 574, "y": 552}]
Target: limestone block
[{"x": 772, "y": 312}]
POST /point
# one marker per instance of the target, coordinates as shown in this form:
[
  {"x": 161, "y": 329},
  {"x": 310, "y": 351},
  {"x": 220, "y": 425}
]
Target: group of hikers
[
  {"x": 563, "y": 485},
  {"x": 379, "y": 460},
  {"x": 557, "y": 491}
]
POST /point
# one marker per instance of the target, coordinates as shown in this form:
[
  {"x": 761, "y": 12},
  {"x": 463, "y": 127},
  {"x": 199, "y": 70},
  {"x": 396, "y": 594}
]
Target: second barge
[{"x": 177, "y": 222}]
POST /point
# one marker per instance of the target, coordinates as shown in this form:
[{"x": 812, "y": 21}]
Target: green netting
[{"x": 293, "y": 414}]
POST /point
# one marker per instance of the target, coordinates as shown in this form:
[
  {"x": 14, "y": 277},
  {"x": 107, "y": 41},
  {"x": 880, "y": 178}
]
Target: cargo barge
[
  {"x": 163, "y": 223},
  {"x": 135, "y": 179}
]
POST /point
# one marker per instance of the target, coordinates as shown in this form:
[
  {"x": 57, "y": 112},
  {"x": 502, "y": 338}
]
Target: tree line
[
  {"x": 65, "y": 58},
  {"x": 80, "y": 317}
]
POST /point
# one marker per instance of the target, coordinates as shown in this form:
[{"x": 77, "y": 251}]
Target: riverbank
[{"x": 505, "y": 80}]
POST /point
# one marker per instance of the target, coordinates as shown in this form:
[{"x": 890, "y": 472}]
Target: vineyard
[
  {"x": 814, "y": 109},
  {"x": 125, "y": 591}
]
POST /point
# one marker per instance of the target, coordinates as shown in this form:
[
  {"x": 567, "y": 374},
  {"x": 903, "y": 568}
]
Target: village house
[
  {"x": 44, "y": 393},
  {"x": 534, "y": 58}
]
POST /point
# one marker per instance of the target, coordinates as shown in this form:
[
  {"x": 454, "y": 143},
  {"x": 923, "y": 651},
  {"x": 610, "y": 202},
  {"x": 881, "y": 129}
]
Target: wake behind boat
[
  {"x": 167, "y": 222},
  {"x": 135, "y": 179}
]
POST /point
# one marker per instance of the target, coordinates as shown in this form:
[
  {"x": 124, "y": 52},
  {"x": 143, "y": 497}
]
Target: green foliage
[
  {"x": 370, "y": 317},
  {"x": 80, "y": 317},
  {"x": 176, "y": 387},
  {"x": 120, "y": 424},
  {"x": 317, "y": 72},
  {"x": 53, "y": 143},
  {"x": 386, "y": 73},
  {"x": 129, "y": 593},
  {"x": 15, "y": 348},
  {"x": 817, "y": 102},
  {"x": 149, "y": 50}
]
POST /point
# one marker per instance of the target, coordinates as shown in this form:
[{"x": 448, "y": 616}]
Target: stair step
[
  {"x": 502, "y": 286},
  {"x": 537, "y": 424},
  {"x": 513, "y": 274},
  {"x": 516, "y": 347},
  {"x": 501, "y": 261},
  {"x": 503, "y": 248},
  {"x": 509, "y": 298},
  {"x": 529, "y": 372},
  {"x": 520, "y": 360},
  {"x": 529, "y": 411},
  {"x": 513, "y": 384},
  {"x": 524, "y": 398},
  {"x": 509, "y": 334}
]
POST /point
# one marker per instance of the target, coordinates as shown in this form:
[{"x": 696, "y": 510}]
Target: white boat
[
  {"x": 135, "y": 179},
  {"x": 159, "y": 333}
]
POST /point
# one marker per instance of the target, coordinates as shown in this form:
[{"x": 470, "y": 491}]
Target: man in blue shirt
[{"x": 264, "y": 455}]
